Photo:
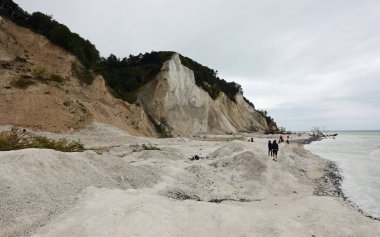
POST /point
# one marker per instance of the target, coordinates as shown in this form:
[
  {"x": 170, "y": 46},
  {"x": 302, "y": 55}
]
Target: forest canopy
[{"x": 127, "y": 75}]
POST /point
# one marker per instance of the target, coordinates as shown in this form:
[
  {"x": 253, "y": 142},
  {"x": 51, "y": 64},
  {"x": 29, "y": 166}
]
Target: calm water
[{"x": 358, "y": 156}]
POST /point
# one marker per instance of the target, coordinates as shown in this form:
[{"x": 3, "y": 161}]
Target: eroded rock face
[
  {"x": 174, "y": 99},
  {"x": 56, "y": 106}
]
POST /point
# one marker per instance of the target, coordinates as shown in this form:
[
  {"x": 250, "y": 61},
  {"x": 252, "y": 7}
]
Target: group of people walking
[
  {"x": 273, "y": 149},
  {"x": 282, "y": 139}
]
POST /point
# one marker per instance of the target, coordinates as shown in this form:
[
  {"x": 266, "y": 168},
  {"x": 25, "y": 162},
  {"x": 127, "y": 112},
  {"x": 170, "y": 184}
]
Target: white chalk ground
[{"x": 116, "y": 188}]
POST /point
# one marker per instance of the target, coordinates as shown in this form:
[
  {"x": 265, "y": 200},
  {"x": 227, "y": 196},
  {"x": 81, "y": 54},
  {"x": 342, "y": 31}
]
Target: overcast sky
[{"x": 307, "y": 62}]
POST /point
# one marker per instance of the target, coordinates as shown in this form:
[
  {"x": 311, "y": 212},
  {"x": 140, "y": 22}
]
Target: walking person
[
  {"x": 275, "y": 150},
  {"x": 270, "y": 148}
]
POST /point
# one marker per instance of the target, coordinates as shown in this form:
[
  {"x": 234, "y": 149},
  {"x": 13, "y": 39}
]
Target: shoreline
[
  {"x": 333, "y": 173},
  {"x": 308, "y": 140}
]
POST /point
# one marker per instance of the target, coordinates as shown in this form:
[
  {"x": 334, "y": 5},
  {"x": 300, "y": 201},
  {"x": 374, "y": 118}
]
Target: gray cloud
[{"x": 308, "y": 62}]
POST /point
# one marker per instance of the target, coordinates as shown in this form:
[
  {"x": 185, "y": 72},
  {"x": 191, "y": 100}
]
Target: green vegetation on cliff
[
  {"x": 272, "y": 125},
  {"x": 208, "y": 79},
  {"x": 126, "y": 76}
]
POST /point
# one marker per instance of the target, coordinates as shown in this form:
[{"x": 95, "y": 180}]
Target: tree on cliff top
[
  {"x": 208, "y": 79},
  {"x": 127, "y": 75}
]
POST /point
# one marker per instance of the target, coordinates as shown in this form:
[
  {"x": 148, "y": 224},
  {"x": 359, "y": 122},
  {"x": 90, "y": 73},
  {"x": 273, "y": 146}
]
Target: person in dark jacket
[
  {"x": 275, "y": 150},
  {"x": 281, "y": 139},
  {"x": 270, "y": 149}
]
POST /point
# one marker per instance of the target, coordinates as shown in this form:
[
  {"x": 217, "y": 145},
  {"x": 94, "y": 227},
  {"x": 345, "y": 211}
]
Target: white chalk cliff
[{"x": 174, "y": 99}]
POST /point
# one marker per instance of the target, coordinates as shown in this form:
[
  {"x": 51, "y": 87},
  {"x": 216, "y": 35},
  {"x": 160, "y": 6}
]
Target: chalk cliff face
[{"x": 173, "y": 99}]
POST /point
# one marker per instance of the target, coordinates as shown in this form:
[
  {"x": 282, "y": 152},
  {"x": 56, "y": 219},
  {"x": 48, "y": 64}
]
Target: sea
[{"x": 357, "y": 154}]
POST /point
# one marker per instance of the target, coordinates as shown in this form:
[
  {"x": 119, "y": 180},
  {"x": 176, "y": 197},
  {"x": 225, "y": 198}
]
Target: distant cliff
[{"x": 174, "y": 101}]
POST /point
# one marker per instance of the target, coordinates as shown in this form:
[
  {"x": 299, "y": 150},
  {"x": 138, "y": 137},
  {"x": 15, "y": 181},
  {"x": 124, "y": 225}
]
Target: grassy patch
[
  {"x": 66, "y": 103},
  {"x": 150, "y": 147},
  {"x": 225, "y": 139},
  {"x": 55, "y": 77},
  {"x": 22, "y": 83},
  {"x": 40, "y": 74},
  {"x": 16, "y": 140}
]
